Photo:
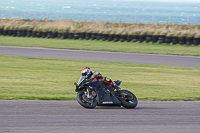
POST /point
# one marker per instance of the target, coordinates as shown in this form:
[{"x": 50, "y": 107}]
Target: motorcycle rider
[{"x": 93, "y": 75}]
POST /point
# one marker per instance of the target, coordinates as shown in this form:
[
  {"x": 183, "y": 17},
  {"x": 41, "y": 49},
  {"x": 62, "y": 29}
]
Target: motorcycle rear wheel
[
  {"x": 85, "y": 102},
  {"x": 129, "y": 103}
]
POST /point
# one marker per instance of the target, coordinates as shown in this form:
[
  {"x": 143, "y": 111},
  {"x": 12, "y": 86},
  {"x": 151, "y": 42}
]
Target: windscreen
[{"x": 81, "y": 79}]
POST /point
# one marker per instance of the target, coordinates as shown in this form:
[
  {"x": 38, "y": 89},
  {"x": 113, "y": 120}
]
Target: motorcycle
[{"x": 96, "y": 93}]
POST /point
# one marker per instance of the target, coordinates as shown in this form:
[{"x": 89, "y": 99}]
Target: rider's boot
[
  {"x": 116, "y": 87},
  {"x": 112, "y": 93}
]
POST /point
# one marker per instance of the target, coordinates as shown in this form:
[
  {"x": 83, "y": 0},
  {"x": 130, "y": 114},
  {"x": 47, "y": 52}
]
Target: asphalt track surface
[
  {"x": 70, "y": 117},
  {"x": 172, "y": 60}
]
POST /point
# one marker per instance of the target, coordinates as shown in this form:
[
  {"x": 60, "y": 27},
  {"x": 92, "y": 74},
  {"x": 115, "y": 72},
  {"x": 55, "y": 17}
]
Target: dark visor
[{"x": 83, "y": 74}]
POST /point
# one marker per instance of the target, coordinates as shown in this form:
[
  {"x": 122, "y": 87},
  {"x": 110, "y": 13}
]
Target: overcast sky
[
  {"x": 180, "y": 0},
  {"x": 168, "y": 0}
]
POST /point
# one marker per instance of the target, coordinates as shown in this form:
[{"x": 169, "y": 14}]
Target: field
[
  {"x": 24, "y": 78},
  {"x": 149, "y": 48}
]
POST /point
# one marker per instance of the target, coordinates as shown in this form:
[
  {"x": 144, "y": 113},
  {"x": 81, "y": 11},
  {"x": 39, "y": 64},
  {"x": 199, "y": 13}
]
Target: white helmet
[{"x": 85, "y": 71}]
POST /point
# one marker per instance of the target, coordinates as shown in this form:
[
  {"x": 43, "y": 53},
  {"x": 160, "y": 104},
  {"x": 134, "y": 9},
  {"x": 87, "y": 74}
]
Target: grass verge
[
  {"x": 25, "y": 78},
  {"x": 129, "y": 47}
]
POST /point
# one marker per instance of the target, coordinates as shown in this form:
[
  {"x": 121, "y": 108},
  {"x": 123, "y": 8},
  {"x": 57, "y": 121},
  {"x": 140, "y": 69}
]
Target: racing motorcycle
[{"x": 96, "y": 93}]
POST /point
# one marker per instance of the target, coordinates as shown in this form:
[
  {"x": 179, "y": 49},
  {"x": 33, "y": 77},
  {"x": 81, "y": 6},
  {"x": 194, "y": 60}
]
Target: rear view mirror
[{"x": 75, "y": 83}]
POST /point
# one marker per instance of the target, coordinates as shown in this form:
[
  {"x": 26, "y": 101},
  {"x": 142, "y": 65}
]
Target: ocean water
[{"x": 127, "y": 11}]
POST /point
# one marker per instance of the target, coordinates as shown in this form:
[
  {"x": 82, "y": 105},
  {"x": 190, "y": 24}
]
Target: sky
[
  {"x": 166, "y": 0},
  {"x": 171, "y": 0}
]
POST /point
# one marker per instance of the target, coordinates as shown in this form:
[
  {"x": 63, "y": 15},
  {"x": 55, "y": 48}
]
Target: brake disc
[{"x": 86, "y": 99}]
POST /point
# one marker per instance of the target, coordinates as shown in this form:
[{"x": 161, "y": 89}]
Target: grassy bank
[
  {"x": 101, "y": 46},
  {"x": 101, "y": 27},
  {"x": 52, "y": 79}
]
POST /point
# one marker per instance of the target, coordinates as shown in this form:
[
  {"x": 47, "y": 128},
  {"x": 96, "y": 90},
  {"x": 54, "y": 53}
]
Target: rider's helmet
[{"x": 86, "y": 71}]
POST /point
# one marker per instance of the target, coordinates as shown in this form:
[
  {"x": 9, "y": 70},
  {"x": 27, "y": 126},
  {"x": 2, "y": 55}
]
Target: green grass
[
  {"x": 130, "y": 47},
  {"x": 25, "y": 78}
]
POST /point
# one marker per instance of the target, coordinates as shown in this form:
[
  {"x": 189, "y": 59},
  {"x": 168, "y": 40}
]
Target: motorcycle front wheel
[
  {"x": 129, "y": 102},
  {"x": 85, "y": 102}
]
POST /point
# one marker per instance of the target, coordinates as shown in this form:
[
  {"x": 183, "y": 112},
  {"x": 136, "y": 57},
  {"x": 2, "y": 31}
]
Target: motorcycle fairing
[{"x": 103, "y": 96}]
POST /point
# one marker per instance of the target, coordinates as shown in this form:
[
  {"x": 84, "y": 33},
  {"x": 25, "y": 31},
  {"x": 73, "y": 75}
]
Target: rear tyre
[
  {"x": 130, "y": 102},
  {"x": 85, "y": 102}
]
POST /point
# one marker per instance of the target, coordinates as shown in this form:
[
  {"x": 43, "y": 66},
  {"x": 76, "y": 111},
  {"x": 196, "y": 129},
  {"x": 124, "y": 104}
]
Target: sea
[{"x": 124, "y": 11}]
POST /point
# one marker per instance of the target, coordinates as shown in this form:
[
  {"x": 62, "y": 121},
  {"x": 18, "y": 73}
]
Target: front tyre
[
  {"x": 128, "y": 99},
  {"x": 85, "y": 102}
]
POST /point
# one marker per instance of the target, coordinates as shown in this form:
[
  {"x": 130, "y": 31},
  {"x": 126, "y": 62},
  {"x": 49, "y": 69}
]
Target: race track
[
  {"x": 172, "y": 60},
  {"x": 70, "y": 117}
]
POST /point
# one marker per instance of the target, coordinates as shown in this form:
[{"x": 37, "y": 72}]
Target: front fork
[{"x": 87, "y": 93}]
